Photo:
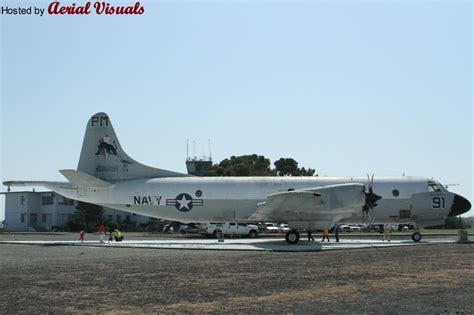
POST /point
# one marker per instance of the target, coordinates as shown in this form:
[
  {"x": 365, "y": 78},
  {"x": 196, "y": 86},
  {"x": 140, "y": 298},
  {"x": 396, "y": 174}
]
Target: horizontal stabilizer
[{"x": 81, "y": 179}]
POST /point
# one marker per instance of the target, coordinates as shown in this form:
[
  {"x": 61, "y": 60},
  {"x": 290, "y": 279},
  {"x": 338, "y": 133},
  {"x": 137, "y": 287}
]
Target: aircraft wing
[
  {"x": 75, "y": 178},
  {"x": 327, "y": 203},
  {"x": 46, "y": 184},
  {"x": 27, "y": 183}
]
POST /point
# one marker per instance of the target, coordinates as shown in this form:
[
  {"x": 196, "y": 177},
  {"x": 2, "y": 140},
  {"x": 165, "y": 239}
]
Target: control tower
[{"x": 198, "y": 165}]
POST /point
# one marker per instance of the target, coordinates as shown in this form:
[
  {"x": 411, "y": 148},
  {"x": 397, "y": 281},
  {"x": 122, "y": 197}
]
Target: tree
[
  {"x": 244, "y": 165},
  {"x": 307, "y": 172},
  {"x": 257, "y": 165},
  {"x": 87, "y": 216},
  {"x": 286, "y": 167},
  {"x": 453, "y": 223},
  {"x": 456, "y": 223},
  {"x": 289, "y": 167}
]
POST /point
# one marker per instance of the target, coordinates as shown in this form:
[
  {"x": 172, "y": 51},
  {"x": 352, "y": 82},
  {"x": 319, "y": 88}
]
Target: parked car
[
  {"x": 232, "y": 229},
  {"x": 283, "y": 228},
  {"x": 168, "y": 228},
  {"x": 344, "y": 228},
  {"x": 261, "y": 228},
  {"x": 356, "y": 227},
  {"x": 271, "y": 228},
  {"x": 372, "y": 227},
  {"x": 190, "y": 229}
]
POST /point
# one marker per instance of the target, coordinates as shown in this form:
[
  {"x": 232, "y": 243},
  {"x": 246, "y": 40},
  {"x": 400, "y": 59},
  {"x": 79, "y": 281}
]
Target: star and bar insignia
[{"x": 184, "y": 202}]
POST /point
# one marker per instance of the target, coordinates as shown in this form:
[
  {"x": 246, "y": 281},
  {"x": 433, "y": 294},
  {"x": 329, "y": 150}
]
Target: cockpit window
[{"x": 432, "y": 187}]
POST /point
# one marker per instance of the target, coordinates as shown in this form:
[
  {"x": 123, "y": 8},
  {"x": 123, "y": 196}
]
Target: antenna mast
[{"x": 210, "y": 153}]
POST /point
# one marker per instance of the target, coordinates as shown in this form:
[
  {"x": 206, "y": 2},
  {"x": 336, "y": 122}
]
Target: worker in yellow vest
[
  {"x": 325, "y": 234},
  {"x": 117, "y": 235}
]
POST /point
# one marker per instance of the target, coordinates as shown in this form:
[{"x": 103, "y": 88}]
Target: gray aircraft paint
[
  {"x": 107, "y": 176},
  {"x": 102, "y": 155}
]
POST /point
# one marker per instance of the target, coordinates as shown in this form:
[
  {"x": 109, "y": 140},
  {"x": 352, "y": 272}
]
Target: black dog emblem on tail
[{"x": 106, "y": 148}]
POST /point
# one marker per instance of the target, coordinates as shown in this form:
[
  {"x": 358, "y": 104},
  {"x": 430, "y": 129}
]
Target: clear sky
[{"x": 347, "y": 88}]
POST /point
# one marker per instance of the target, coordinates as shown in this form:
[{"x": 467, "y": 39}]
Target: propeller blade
[
  {"x": 372, "y": 184},
  {"x": 370, "y": 198}
]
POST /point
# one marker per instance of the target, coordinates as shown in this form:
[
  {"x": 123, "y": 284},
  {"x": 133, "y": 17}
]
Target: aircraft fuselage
[{"x": 222, "y": 199}]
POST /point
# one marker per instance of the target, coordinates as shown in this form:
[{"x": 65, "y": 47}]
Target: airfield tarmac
[{"x": 403, "y": 279}]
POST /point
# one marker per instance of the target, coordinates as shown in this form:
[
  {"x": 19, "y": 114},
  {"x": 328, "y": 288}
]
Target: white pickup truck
[{"x": 232, "y": 229}]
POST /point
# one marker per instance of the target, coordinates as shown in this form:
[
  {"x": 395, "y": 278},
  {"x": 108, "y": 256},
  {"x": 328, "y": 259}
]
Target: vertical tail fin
[{"x": 103, "y": 157}]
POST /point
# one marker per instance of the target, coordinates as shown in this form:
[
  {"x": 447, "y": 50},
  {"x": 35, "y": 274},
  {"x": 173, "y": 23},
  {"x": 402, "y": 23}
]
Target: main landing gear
[
  {"x": 416, "y": 237},
  {"x": 292, "y": 236}
]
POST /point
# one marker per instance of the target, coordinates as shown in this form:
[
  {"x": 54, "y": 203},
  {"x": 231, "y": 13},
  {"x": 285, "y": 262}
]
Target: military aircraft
[{"x": 107, "y": 176}]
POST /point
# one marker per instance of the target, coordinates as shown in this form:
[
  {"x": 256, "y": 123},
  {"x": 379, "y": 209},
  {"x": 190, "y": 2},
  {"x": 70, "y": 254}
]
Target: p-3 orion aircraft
[{"x": 107, "y": 176}]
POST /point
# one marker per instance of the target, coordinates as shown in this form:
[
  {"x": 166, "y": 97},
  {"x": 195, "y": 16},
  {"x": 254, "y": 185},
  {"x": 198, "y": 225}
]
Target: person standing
[
  {"x": 101, "y": 232},
  {"x": 325, "y": 234},
  {"x": 111, "y": 231},
  {"x": 336, "y": 232},
  {"x": 81, "y": 235},
  {"x": 310, "y": 236},
  {"x": 386, "y": 232}
]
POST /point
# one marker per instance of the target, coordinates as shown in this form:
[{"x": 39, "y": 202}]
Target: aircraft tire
[
  {"x": 292, "y": 237},
  {"x": 416, "y": 237}
]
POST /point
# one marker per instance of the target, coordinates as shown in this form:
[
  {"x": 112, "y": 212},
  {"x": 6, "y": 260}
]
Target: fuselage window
[
  {"x": 395, "y": 193},
  {"x": 433, "y": 188}
]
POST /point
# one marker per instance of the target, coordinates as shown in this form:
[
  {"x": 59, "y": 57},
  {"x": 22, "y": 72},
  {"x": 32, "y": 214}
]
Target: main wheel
[
  {"x": 416, "y": 237},
  {"x": 292, "y": 236}
]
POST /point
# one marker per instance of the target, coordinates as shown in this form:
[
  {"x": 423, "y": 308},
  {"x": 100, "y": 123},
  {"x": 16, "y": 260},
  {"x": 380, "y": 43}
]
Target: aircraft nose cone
[{"x": 460, "y": 205}]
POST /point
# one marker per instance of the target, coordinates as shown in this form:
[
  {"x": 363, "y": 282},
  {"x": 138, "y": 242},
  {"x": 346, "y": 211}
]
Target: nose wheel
[{"x": 292, "y": 236}]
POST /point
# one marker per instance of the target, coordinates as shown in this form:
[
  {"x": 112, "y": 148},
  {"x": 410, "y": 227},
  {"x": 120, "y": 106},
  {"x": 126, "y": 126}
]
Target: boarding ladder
[{"x": 220, "y": 233}]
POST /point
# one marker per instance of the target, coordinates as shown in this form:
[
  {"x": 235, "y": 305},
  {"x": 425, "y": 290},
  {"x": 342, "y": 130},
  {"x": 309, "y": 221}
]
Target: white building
[{"x": 41, "y": 211}]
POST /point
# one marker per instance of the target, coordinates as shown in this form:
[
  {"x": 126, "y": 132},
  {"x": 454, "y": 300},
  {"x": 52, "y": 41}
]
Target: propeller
[{"x": 370, "y": 199}]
